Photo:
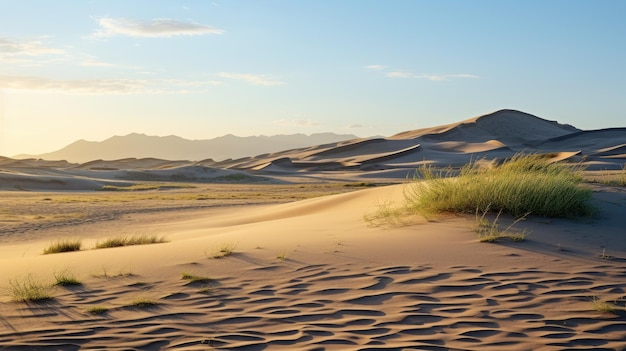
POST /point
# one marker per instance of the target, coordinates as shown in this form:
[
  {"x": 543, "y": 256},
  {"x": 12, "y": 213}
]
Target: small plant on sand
[
  {"x": 225, "y": 250},
  {"x": 282, "y": 256},
  {"x": 66, "y": 278},
  {"x": 142, "y": 239},
  {"x": 602, "y": 306},
  {"x": 97, "y": 309},
  {"x": 489, "y": 231},
  {"x": 386, "y": 214},
  {"x": 192, "y": 278},
  {"x": 143, "y": 302},
  {"x": 104, "y": 273},
  {"x": 65, "y": 245},
  {"x": 604, "y": 255},
  {"x": 29, "y": 289}
]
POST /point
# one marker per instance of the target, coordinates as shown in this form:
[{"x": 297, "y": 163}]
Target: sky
[{"x": 92, "y": 69}]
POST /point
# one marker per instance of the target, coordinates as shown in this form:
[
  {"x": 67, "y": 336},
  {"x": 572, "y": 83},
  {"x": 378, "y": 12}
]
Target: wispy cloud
[
  {"x": 296, "y": 122},
  {"x": 254, "y": 79},
  {"x": 96, "y": 63},
  {"x": 14, "y": 50},
  {"x": 86, "y": 86},
  {"x": 157, "y": 28},
  {"x": 432, "y": 77},
  {"x": 407, "y": 74},
  {"x": 376, "y": 67},
  {"x": 399, "y": 74}
]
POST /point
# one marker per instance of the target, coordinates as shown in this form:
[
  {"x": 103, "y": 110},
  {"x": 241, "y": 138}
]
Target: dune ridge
[{"x": 496, "y": 135}]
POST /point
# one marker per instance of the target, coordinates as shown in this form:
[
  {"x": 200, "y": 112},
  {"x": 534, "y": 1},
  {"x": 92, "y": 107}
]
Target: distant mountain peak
[{"x": 172, "y": 147}]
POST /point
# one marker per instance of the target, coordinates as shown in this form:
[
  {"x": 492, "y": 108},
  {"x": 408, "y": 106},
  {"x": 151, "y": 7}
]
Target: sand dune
[
  {"x": 339, "y": 285},
  {"x": 497, "y": 135}
]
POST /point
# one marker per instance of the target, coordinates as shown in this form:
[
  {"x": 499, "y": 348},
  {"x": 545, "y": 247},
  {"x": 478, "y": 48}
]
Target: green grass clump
[
  {"x": 66, "y": 278},
  {"x": 29, "y": 289},
  {"x": 521, "y": 185},
  {"x": 66, "y": 245},
  {"x": 130, "y": 240}
]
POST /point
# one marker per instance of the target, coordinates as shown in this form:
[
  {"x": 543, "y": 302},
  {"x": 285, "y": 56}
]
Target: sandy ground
[{"x": 314, "y": 275}]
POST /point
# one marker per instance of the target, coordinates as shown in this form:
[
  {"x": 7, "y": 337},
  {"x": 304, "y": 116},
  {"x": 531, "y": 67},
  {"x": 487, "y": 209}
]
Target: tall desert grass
[{"x": 520, "y": 185}]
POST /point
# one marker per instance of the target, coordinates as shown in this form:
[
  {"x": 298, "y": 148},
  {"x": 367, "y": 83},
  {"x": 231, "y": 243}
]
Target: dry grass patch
[
  {"x": 602, "y": 306},
  {"x": 193, "y": 278},
  {"x": 142, "y": 239},
  {"x": 225, "y": 250},
  {"x": 29, "y": 289},
  {"x": 490, "y": 230},
  {"x": 143, "y": 301},
  {"x": 97, "y": 310},
  {"x": 64, "y": 245}
]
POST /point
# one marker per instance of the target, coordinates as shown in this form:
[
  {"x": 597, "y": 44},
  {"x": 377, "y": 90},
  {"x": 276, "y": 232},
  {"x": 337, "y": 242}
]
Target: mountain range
[{"x": 176, "y": 148}]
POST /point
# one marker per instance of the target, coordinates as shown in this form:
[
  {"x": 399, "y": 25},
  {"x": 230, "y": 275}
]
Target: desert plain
[{"x": 284, "y": 250}]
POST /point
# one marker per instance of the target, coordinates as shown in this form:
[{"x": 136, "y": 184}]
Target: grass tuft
[
  {"x": 602, "y": 306},
  {"x": 119, "y": 241},
  {"x": 192, "y": 278},
  {"x": 66, "y": 278},
  {"x": 97, "y": 309},
  {"x": 523, "y": 184},
  {"x": 65, "y": 245},
  {"x": 143, "y": 302},
  {"x": 225, "y": 250},
  {"x": 490, "y": 231},
  {"x": 29, "y": 289}
]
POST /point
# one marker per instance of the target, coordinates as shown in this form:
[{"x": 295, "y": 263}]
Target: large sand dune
[{"x": 497, "y": 135}]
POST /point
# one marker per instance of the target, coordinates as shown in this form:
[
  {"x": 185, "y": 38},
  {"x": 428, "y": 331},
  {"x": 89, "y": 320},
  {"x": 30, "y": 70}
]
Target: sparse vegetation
[
  {"x": 386, "y": 214},
  {"x": 66, "y": 278},
  {"x": 146, "y": 186},
  {"x": 143, "y": 302},
  {"x": 97, "y": 309},
  {"x": 282, "y": 256},
  {"x": 64, "y": 245},
  {"x": 192, "y": 278},
  {"x": 602, "y": 306},
  {"x": 29, "y": 289},
  {"x": 523, "y": 184},
  {"x": 489, "y": 231},
  {"x": 225, "y": 250},
  {"x": 104, "y": 273},
  {"x": 142, "y": 239}
]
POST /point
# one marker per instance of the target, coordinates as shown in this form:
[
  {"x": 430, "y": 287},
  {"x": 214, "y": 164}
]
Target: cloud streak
[
  {"x": 104, "y": 86},
  {"x": 86, "y": 86},
  {"x": 254, "y": 79},
  {"x": 10, "y": 50},
  {"x": 431, "y": 77},
  {"x": 157, "y": 28}
]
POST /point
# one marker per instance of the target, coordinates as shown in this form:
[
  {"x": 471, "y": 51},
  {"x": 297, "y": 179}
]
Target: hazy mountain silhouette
[{"x": 176, "y": 148}]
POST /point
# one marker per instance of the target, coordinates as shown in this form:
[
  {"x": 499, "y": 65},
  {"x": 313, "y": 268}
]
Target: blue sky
[{"x": 89, "y": 70}]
